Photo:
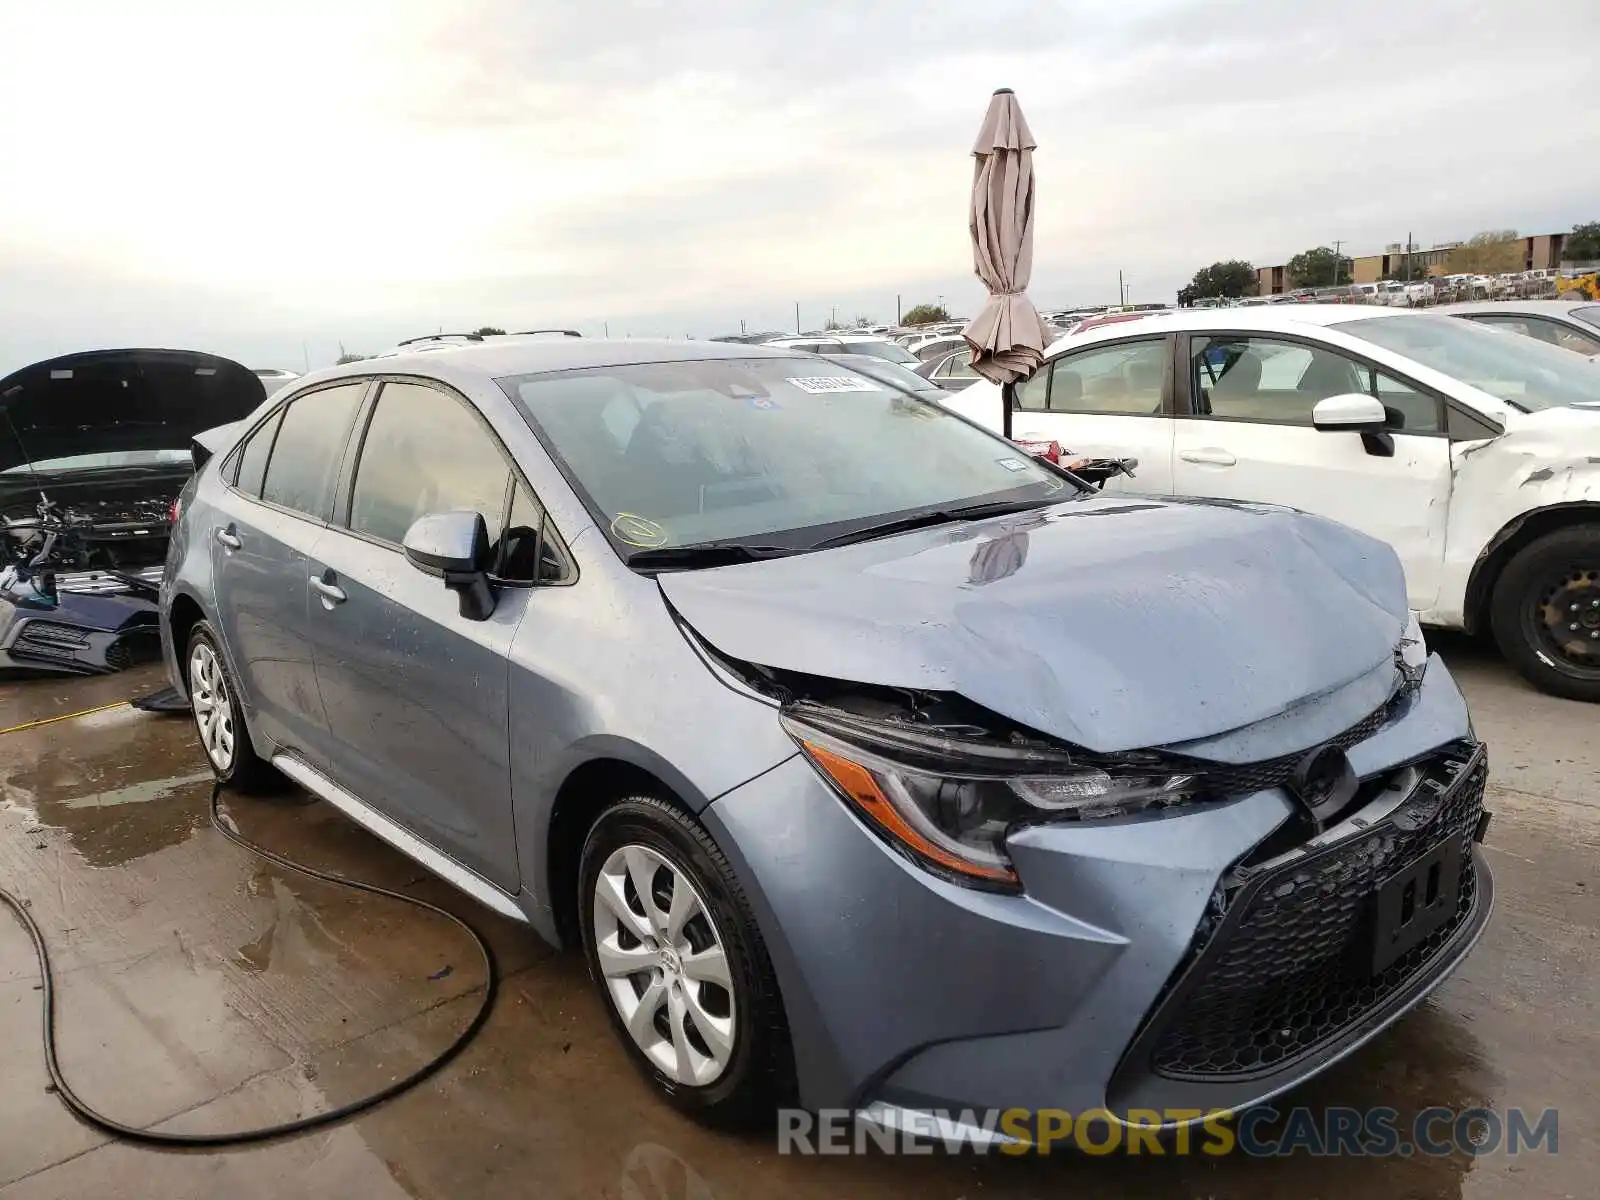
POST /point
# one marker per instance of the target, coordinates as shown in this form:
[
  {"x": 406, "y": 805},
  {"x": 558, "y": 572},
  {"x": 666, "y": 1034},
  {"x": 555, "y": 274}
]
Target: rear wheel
[
  {"x": 218, "y": 715},
  {"x": 681, "y": 967},
  {"x": 1545, "y": 613}
]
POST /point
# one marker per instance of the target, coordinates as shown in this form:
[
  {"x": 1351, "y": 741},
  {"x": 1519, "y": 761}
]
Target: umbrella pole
[{"x": 1008, "y": 400}]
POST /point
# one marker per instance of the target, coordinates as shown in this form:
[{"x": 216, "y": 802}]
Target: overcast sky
[{"x": 268, "y": 180}]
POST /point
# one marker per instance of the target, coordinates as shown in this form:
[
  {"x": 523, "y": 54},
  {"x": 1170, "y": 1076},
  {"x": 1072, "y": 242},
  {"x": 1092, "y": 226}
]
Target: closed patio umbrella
[{"x": 1007, "y": 337}]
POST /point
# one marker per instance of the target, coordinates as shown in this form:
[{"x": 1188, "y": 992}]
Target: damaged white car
[{"x": 1475, "y": 453}]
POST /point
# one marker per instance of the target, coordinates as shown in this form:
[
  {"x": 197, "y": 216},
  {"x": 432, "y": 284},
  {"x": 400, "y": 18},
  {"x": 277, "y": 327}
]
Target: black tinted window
[
  {"x": 253, "y": 459},
  {"x": 305, "y": 457},
  {"x": 527, "y": 552},
  {"x": 425, "y": 451}
]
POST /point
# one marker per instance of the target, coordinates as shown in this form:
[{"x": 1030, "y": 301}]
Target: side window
[
  {"x": 1031, "y": 392},
  {"x": 425, "y": 451},
  {"x": 1262, "y": 379},
  {"x": 252, "y": 465},
  {"x": 1126, "y": 378},
  {"x": 957, "y": 366},
  {"x": 305, "y": 456},
  {"x": 1410, "y": 411},
  {"x": 528, "y": 552},
  {"x": 1561, "y": 335}
]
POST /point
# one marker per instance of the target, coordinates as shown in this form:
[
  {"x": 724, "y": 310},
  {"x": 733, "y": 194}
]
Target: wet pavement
[{"x": 202, "y": 989}]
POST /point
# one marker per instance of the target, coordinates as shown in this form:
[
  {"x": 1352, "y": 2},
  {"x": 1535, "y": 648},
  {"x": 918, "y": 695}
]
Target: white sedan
[{"x": 1474, "y": 453}]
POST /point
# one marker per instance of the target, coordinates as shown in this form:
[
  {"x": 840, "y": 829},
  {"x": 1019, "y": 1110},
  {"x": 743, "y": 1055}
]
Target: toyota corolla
[{"x": 871, "y": 762}]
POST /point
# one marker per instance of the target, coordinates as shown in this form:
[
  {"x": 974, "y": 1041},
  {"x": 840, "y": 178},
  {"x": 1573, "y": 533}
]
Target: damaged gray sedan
[{"x": 872, "y": 762}]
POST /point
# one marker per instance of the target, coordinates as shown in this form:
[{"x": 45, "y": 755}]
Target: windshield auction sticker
[
  {"x": 634, "y": 530},
  {"x": 819, "y": 385}
]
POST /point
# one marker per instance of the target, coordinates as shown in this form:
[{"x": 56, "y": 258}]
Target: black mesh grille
[
  {"x": 1290, "y": 964},
  {"x": 48, "y": 640},
  {"x": 1247, "y": 778},
  {"x": 119, "y": 657}
]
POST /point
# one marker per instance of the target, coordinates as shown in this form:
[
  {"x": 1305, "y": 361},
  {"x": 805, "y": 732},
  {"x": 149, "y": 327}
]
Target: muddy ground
[{"x": 201, "y": 989}]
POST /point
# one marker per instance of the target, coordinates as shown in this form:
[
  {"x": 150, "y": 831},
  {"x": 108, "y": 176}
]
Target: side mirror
[
  {"x": 1353, "y": 412},
  {"x": 1356, "y": 412},
  {"x": 454, "y": 546}
]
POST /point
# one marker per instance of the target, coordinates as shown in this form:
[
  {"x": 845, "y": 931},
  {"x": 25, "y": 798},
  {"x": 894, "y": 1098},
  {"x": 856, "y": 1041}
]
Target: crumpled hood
[
  {"x": 1114, "y": 623},
  {"x": 105, "y": 401}
]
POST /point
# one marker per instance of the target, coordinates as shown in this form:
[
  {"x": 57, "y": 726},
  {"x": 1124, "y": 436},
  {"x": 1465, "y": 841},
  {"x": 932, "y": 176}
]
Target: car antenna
[{"x": 33, "y": 471}]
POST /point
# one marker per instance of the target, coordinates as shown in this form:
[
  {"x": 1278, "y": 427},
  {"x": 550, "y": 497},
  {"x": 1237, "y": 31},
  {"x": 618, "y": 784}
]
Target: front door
[
  {"x": 1250, "y": 437},
  {"x": 1109, "y": 400},
  {"x": 282, "y": 485},
  {"x": 417, "y": 694}
]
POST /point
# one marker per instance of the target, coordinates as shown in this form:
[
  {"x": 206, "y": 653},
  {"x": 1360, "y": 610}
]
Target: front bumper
[{"x": 1141, "y": 965}]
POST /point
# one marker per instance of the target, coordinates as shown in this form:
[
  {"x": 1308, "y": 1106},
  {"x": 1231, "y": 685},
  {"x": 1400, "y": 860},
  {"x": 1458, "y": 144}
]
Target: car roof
[
  {"x": 500, "y": 357},
  {"x": 1281, "y": 318}
]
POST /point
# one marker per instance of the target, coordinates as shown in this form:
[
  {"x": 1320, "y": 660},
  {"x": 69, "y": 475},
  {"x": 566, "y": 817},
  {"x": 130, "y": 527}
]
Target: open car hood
[
  {"x": 1114, "y": 623},
  {"x": 107, "y": 401}
]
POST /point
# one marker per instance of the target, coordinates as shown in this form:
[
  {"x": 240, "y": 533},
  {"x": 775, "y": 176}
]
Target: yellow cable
[{"x": 72, "y": 716}]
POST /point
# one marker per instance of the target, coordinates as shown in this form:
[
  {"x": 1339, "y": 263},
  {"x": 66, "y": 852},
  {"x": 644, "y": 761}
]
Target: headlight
[
  {"x": 1412, "y": 650},
  {"x": 949, "y": 802}
]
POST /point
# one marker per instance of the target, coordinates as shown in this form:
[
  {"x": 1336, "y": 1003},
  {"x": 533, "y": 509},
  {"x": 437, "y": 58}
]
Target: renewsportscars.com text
[{"x": 1264, "y": 1132}]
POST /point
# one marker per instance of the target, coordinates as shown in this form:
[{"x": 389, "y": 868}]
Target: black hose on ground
[{"x": 150, "y": 1137}]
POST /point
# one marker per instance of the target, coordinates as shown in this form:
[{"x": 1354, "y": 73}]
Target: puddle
[{"x": 137, "y": 793}]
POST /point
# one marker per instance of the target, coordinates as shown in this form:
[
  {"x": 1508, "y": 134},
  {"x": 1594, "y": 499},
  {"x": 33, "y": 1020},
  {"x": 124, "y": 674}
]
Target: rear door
[
  {"x": 282, "y": 481},
  {"x": 1107, "y": 400},
  {"x": 1250, "y": 437},
  {"x": 417, "y": 694}
]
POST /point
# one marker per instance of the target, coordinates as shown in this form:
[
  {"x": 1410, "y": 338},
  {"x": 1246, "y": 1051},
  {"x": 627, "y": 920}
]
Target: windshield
[
  {"x": 96, "y": 462},
  {"x": 1525, "y": 373},
  {"x": 771, "y": 451},
  {"x": 884, "y": 350}
]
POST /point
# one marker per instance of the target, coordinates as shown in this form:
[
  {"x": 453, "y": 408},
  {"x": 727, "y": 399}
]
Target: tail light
[{"x": 172, "y": 513}]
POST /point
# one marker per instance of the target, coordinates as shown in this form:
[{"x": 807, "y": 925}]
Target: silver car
[{"x": 872, "y": 762}]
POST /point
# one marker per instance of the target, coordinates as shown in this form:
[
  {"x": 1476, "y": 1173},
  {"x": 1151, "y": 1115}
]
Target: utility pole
[
  {"x": 1408, "y": 256},
  {"x": 897, "y": 313},
  {"x": 1337, "y": 261},
  {"x": 1122, "y": 291},
  {"x": 741, "y": 327},
  {"x": 797, "y": 316}
]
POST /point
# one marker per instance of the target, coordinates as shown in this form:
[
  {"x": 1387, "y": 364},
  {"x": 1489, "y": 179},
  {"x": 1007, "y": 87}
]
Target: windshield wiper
[
  {"x": 943, "y": 516},
  {"x": 707, "y": 554}
]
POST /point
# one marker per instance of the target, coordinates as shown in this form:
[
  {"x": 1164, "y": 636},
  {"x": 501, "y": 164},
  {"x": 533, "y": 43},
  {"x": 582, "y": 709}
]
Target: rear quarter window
[{"x": 305, "y": 455}]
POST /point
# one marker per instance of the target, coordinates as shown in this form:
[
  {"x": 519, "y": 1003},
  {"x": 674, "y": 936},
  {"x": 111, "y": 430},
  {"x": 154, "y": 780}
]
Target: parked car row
[{"x": 1473, "y": 452}]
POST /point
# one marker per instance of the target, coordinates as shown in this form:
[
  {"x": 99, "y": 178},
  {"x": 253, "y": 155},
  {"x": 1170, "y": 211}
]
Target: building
[{"x": 1540, "y": 251}]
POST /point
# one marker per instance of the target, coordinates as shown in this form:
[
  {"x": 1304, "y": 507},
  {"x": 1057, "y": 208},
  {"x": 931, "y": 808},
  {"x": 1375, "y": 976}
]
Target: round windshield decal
[{"x": 637, "y": 531}]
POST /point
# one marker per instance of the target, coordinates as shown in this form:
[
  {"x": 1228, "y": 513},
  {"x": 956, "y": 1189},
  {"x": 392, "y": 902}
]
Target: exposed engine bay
[
  {"x": 107, "y": 533},
  {"x": 94, "y": 451}
]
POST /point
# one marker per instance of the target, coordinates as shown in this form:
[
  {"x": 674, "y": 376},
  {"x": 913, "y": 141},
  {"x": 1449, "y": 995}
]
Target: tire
[
  {"x": 1549, "y": 586},
  {"x": 224, "y": 739},
  {"x": 756, "y": 1070}
]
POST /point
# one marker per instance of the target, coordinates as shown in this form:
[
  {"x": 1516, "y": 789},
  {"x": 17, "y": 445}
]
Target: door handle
[
  {"x": 1210, "y": 456},
  {"x": 227, "y": 537},
  {"x": 331, "y": 593}
]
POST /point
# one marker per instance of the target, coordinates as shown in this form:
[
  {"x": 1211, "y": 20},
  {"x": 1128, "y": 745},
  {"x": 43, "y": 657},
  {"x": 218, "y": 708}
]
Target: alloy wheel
[
  {"x": 665, "y": 964},
  {"x": 213, "y": 713}
]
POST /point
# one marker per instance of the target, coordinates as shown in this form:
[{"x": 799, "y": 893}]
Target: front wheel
[
  {"x": 674, "y": 950},
  {"x": 1545, "y": 613}
]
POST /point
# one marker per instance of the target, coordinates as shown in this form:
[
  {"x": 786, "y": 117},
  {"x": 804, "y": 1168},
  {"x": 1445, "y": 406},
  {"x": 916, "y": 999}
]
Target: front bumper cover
[{"x": 907, "y": 991}]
